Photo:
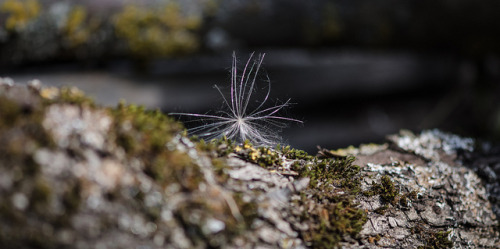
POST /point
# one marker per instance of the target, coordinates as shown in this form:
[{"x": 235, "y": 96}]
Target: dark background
[{"x": 357, "y": 70}]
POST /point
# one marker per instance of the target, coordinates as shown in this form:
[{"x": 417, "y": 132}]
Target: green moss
[
  {"x": 389, "y": 193},
  {"x": 144, "y": 134},
  {"x": 159, "y": 31},
  {"x": 405, "y": 198},
  {"x": 438, "y": 240},
  {"x": 40, "y": 194},
  {"x": 21, "y": 126},
  {"x": 331, "y": 222},
  {"x": 71, "y": 198},
  {"x": 66, "y": 95},
  {"x": 329, "y": 209},
  {"x": 331, "y": 173},
  {"x": 263, "y": 156},
  {"x": 432, "y": 239},
  {"x": 20, "y": 13},
  {"x": 140, "y": 131},
  {"x": 11, "y": 111},
  {"x": 294, "y": 154},
  {"x": 21, "y": 133},
  {"x": 386, "y": 189},
  {"x": 79, "y": 27},
  {"x": 381, "y": 210},
  {"x": 248, "y": 209},
  {"x": 193, "y": 215},
  {"x": 216, "y": 147},
  {"x": 220, "y": 169}
]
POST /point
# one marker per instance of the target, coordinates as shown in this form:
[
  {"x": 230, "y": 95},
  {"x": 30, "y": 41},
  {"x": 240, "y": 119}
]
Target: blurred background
[{"x": 357, "y": 70}]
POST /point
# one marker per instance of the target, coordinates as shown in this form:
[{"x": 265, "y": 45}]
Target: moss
[
  {"x": 66, "y": 95},
  {"x": 79, "y": 27},
  {"x": 220, "y": 169},
  {"x": 141, "y": 131},
  {"x": 432, "y": 239},
  {"x": 10, "y": 112},
  {"x": 386, "y": 189},
  {"x": 389, "y": 193},
  {"x": 10, "y": 214},
  {"x": 294, "y": 154},
  {"x": 331, "y": 222},
  {"x": 21, "y": 133},
  {"x": 437, "y": 240},
  {"x": 194, "y": 214},
  {"x": 332, "y": 173},
  {"x": 20, "y": 12},
  {"x": 163, "y": 31},
  {"x": 248, "y": 209},
  {"x": 40, "y": 194},
  {"x": 216, "y": 147},
  {"x": 328, "y": 208},
  {"x": 381, "y": 210},
  {"x": 144, "y": 134},
  {"x": 406, "y": 198},
  {"x": 263, "y": 156},
  {"x": 71, "y": 198}
]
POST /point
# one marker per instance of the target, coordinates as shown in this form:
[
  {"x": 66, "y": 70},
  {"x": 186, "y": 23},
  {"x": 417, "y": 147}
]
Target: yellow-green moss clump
[
  {"x": 144, "y": 134},
  {"x": 20, "y": 13},
  {"x": 66, "y": 95},
  {"x": 263, "y": 156},
  {"x": 294, "y": 154},
  {"x": 162, "y": 31},
  {"x": 79, "y": 27}
]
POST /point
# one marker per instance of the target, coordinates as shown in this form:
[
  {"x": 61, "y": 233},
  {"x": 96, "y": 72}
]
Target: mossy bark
[{"x": 76, "y": 175}]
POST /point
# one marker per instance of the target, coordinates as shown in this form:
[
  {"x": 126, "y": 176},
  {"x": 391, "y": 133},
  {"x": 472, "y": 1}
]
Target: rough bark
[{"x": 73, "y": 175}]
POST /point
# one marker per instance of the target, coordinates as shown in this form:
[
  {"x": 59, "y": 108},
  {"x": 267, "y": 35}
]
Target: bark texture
[{"x": 75, "y": 175}]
